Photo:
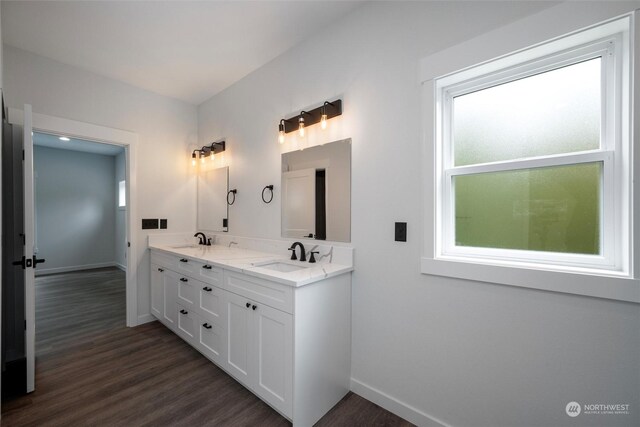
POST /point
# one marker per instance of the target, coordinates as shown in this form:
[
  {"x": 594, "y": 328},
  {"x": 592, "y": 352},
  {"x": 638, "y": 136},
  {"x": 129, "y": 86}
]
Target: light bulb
[
  {"x": 281, "y": 137},
  {"x": 323, "y": 121},
  {"x": 193, "y": 159},
  {"x": 301, "y": 126},
  {"x": 213, "y": 156},
  {"x": 202, "y": 159}
]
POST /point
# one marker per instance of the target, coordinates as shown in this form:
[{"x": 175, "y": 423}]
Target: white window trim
[{"x": 608, "y": 276}]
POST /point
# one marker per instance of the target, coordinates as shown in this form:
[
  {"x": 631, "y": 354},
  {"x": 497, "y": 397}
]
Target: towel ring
[
  {"x": 270, "y": 188},
  {"x": 234, "y": 191}
]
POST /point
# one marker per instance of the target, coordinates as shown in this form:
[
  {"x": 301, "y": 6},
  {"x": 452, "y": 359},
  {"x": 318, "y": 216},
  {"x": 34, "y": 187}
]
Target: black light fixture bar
[
  {"x": 311, "y": 117},
  {"x": 215, "y": 148}
]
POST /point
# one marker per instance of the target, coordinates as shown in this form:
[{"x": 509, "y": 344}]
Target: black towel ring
[
  {"x": 234, "y": 191},
  {"x": 270, "y": 188}
]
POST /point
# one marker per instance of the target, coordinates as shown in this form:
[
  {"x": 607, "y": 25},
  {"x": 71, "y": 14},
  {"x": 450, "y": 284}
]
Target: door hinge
[{"x": 128, "y": 244}]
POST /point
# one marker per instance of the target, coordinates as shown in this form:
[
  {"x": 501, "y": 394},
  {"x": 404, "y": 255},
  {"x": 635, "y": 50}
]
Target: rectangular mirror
[
  {"x": 213, "y": 210},
  {"x": 316, "y": 192}
]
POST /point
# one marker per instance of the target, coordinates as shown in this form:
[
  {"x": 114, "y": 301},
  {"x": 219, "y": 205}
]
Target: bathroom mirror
[
  {"x": 316, "y": 192},
  {"x": 213, "y": 210}
]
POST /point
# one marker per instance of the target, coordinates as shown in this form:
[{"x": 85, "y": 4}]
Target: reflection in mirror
[
  {"x": 316, "y": 192},
  {"x": 212, "y": 199}
]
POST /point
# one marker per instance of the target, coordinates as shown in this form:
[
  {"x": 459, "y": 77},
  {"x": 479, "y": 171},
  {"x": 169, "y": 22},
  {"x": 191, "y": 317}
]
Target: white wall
[
  {"x": 430, "y": 348},
  {"x": 75, "y": 215},
  {"x": 121, "y": 217},
  {"x": 165, "y": 128}
]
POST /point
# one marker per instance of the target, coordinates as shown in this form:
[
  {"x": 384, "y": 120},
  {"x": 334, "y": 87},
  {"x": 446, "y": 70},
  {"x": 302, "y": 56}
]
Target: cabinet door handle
[
  {"x": 248, "y": 304},
  {"x": 183, "y": 279},
  {"x": 184, "y": 312},
  {"x": 206, "y": 267},
  {"x": 254, "y": 306},
  {"x": 207, "y": 326},
  {"x": 161, "y": 270},
  {"x": 184, "y": 260},
  {"x": 206, "y": 288}
]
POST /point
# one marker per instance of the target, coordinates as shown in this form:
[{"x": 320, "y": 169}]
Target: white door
[
  {"x": 299, "y": 203},
  {"x": 29, "y": 243},
  {"x": 273, "y": 356},
  {"x": 239, "y": 317}
]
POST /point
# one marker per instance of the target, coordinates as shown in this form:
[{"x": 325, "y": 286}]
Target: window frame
[{"x": 615, "y": 154}]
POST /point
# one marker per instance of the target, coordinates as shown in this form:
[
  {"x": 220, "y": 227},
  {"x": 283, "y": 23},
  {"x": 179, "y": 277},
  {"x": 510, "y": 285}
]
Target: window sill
[{"x": 599, "y": 286}]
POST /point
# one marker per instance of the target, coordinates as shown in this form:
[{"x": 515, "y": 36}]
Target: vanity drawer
[
  {"x": 208, "y": 273},
  {"x": 188, "y": 289},
  {"x": 187, "y": 324},
  {"x": 272, "y": 294},
  {"x": 210, "y": 338},
  {"x": 184, "y": 265},
  {"x": 162, "y": 259},
  {"x": 210, "y": 301}
]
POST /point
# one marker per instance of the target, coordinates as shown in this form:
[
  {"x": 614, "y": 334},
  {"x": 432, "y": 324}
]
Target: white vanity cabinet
[{"x": 289, "y": 345}]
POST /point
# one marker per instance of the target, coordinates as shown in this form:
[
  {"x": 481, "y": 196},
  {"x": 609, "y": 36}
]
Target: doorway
[{"x": 80, "y": 212}]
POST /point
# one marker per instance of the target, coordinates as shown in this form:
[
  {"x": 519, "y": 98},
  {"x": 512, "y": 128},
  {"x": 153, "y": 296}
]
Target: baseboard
[
  {"x": 42, "y": 271},
  {"x": 392, "y": 404},
  {"x": 121, "y": 267},
  {"x": 145, "y": 318}
]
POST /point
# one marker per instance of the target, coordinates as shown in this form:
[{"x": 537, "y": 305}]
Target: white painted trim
[
  {"x": 394, "y": 405},
  {"x": 121, "y": 266},
  {"x": 146, "y": 318},
  {"x": 54, "y": 270},
  {"x": 106, "y": 135}
]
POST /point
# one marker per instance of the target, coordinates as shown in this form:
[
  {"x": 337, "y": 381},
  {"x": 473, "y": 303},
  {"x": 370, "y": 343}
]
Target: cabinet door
[
  {"x": 157, "y": 292},
  {"x": 272, "y": 353},
  {"x": 170, "y": 296},
  {"x": 239, "y": 316},
  {"x": 210, "y": 337}
]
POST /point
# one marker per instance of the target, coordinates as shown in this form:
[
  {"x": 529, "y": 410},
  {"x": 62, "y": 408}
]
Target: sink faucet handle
[
  {"x": 209, "y": 241},
  {"x": 312, "y": 258},
  {"x": 293, "y": 253}
]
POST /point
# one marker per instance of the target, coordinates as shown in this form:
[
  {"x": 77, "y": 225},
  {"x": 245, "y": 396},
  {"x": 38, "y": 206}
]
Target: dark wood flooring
[{"x": 92, "y": 370}]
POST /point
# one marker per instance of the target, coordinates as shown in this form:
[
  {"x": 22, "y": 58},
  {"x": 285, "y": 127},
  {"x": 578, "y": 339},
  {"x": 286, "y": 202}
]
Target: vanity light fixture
[
  {"x": 321, "y": 114},
  {"x": 207, "y": 151}
]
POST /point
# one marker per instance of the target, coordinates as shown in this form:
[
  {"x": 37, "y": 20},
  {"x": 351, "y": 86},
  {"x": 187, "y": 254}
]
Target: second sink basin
[{"x": 283, "y": 267}]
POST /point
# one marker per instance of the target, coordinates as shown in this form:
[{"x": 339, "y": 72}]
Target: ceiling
[
  {"x": 53, "y": 141},
  {"x": 181, "y": 49}
]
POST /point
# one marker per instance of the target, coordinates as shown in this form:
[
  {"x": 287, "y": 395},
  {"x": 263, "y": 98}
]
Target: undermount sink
[
  {"x": 185, "y": 246},
  {"x": 280, "y": 266}
]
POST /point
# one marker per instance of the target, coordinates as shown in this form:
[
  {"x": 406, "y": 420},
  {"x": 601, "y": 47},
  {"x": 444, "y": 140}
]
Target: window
[
  {"x": 122, "y": 194},
  {"x": 532, "y": 159}
]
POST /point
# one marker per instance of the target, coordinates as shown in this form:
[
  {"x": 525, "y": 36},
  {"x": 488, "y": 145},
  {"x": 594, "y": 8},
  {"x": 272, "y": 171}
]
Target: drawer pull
[
  {"x": 184, "y": 312},
  {"x": 207, "y": 326},
  {"x": 183, "y": 279},
  {"x": 206, "y": 288},
  {"x": 184, "y": 260},
  {"x": 248, "y": 304},
  {"x": 254, "y": 306},
  {"x": 206, "y": 267},
  {"x": 161, "y": 270}
]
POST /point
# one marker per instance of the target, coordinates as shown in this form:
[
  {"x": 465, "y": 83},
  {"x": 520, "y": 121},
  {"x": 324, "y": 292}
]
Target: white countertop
[{"x": 245, "y": 260}]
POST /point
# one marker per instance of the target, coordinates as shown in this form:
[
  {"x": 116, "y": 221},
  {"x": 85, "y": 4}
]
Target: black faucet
[
  {"x": 303, "y": 255},
  {"x": 203, "y": 239}
]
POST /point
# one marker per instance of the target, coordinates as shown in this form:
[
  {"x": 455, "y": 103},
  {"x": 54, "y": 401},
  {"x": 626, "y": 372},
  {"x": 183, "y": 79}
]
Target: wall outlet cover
[
  {"x": 163, "y": 224},
  {"x": 401, "y": 231},
  {"x": 149, "y": 224}
]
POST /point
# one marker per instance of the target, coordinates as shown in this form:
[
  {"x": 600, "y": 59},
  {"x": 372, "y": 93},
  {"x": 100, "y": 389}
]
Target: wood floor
[{"x": 92, "y": 370}]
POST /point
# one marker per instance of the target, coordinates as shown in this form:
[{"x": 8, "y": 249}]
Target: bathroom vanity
[{"x": 282, "y": 328}]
